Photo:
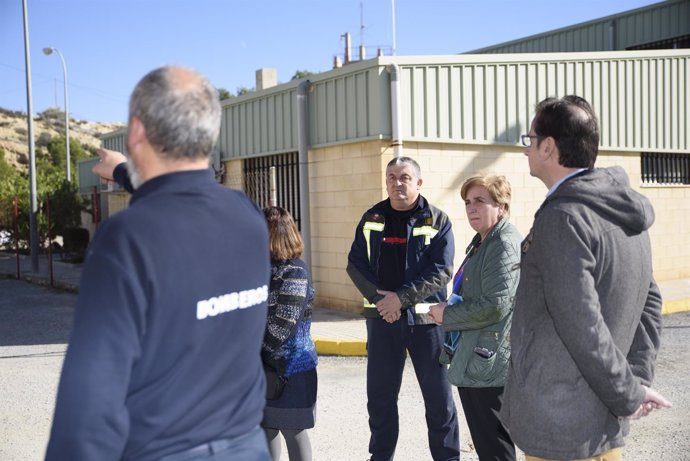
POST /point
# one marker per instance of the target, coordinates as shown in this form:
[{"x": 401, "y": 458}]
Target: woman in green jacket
[{"x": 478, "y": 314}]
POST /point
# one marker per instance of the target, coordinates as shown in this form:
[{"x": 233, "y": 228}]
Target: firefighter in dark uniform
[
  {"x": 164, "y": 360},
  {"x": 401, "y": 261}
]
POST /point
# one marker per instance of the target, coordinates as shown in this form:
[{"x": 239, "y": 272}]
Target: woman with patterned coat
[{"x": 288, "y": 347}]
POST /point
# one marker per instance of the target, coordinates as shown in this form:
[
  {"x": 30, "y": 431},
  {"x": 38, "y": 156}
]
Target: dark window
[
  {"x": 258, "y": 182},
  {"x": 665, "y": 168},
  {"x": 682, "y": 41}
]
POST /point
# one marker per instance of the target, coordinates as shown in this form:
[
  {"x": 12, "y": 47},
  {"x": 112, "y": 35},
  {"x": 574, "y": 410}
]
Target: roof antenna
[
  {"x": 393, "y": 18},
  {"x": 361, "y": 31},
  {"x": 361, "y": 23}
]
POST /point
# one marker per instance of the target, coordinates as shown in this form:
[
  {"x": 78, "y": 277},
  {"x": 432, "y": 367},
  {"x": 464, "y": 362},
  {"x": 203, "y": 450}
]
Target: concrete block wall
[
  {"x": 347, "y": 179},
  {"x": 445, "y": 167},
  {"x": 233, "y": 175},
  {"x": 117, "y": 201},
  {"x": 670, "y": 235}
]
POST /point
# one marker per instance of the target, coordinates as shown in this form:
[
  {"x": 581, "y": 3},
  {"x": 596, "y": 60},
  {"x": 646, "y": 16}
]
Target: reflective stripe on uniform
[
  {"x": 368, "y": 227},
  {"x": 427, "y": 231},
  {"x": 422, "y": 308}
]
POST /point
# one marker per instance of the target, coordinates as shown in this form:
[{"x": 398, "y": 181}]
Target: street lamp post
[{"x": 48, "y": 51}]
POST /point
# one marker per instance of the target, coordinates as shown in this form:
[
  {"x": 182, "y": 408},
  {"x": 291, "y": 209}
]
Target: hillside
[{"x": 47, "y": 124}]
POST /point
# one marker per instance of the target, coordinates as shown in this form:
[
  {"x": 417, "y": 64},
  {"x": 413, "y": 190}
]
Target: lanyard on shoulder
[{"x": 471, "y": 250}]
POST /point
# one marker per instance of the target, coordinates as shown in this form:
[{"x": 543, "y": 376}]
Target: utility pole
[{"x": 33, "y": 203}]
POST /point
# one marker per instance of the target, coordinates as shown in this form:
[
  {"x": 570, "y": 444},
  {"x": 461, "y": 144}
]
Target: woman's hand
[{"x": 436, "y": 312}]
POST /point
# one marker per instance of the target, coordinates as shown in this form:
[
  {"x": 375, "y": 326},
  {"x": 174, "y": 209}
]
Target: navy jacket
[
  {"x": 429, "y": 265},
  {"x": 165, "y": 349}
]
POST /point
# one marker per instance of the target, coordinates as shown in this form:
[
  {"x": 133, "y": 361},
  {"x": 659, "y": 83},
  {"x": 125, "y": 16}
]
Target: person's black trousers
[
  {"x": 388, "y": 345},
  {"x": 481, "y": 406}
]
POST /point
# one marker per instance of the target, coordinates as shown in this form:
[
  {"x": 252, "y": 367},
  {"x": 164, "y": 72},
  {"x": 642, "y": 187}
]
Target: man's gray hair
[
  {"x": 180, "y": 111},
  {"x": 406, "y": 161}
]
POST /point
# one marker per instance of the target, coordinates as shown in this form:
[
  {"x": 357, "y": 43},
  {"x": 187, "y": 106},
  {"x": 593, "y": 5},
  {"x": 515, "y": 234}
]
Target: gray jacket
[
  {"x": 587, "y": 319},
  {"x": 484, "y": 316}
]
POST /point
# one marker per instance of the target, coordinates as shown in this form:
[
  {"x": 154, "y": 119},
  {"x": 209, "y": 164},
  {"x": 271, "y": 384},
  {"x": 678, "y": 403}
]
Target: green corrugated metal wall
[{"x": 660, "y": 21}]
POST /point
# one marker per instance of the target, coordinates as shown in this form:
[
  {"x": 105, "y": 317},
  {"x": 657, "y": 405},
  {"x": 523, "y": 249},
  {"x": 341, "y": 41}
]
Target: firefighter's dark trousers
[{"x": 388, "y": 345}]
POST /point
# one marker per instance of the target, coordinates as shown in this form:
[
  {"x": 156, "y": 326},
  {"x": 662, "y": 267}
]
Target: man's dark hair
[{"x": 572, "y": 123}]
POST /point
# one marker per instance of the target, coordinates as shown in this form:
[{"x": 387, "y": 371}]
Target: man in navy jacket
[
  {"x": 164, "y": 358},
  {"x": 401, "y": 261}
]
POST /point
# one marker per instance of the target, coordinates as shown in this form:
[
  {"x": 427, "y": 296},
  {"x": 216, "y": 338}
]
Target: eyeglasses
[{"x": 526, "y": 139}]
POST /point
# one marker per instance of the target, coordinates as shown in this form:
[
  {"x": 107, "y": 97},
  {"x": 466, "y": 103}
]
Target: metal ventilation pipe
[
  {"x": 396, "y": 112},
  {"x": 348, "y": 48},
  {"x": 273, "y": 186},
  {"x": 303, "y": 160},
  {"x": 337, "y": 62},
  {"x": 612, "y": 35}
]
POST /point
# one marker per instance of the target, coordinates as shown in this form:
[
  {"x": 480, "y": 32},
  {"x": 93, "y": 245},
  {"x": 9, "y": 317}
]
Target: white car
[{"x": 4, "y": 238}]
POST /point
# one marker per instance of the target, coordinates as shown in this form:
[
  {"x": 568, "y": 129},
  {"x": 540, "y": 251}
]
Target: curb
[
  {"x": 350, "y": 348},
  {"x": 58, "y": 285},
  {"x": 676, "y": 306},
  {"x": 356, "y": 348},
  {"x": 43, "y": 281}
]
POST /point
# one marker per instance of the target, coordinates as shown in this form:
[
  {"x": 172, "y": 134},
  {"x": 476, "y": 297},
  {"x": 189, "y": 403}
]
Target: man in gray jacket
[{"x": 587, "y": 318}]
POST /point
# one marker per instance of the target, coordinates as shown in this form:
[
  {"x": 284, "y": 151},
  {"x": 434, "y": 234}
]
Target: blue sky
[{"x": 108, "y": 45}]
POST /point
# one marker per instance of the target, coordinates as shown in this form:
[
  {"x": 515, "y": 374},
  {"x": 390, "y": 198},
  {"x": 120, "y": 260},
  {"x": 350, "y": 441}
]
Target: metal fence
[
  {"x": 665, "y": 168},
  {"x": 274, "y": 181},
  {"x": 69, "y": 246}
]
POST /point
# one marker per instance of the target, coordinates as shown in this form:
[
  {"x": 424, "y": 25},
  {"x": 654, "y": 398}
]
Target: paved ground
[
  {"x": 34, "y": 328},
  {"x": 334, "y": 332}
]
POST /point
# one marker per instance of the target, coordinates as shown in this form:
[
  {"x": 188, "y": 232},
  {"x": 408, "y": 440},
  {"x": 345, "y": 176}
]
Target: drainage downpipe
[
  {"x": 303, "y": 160},
  {"x": 396, "y": 112}
]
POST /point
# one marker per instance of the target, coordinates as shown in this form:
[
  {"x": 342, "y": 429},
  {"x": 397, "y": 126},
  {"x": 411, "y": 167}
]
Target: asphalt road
[{"x": 34, "y": 328}]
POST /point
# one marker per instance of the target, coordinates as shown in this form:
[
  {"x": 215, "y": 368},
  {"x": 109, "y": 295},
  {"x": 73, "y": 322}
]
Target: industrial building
[{"x": 319, "y": 147}]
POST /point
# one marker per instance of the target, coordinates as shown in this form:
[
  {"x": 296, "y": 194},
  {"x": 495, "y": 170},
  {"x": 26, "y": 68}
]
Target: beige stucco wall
[{"x": 346, "y": 180}]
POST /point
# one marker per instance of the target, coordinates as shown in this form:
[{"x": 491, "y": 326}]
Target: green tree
[
  {"x": 7, "y": 180},
  {"x": 300, "y": 74},
  {"x": 13, "y": 184},
  {"x": 65, "y": 203},
  {"x": 224, "y": 94},
  {"x": 242, "y": 90},
  {"x": 6, "y": 169},
  {"x": 56, "y": 150}
]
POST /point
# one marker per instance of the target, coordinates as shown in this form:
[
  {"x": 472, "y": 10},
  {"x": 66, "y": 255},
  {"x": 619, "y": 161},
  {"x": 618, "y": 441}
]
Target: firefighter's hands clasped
[{"x": 389, "y": 307}]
